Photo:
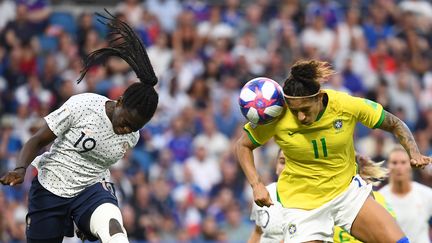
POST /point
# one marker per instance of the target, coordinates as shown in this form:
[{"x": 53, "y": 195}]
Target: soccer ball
[{"x": 261, "y": 100}]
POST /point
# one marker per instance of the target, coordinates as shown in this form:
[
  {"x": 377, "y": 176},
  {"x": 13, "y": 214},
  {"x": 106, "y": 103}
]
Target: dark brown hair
[{"x": 306, "y": 77}]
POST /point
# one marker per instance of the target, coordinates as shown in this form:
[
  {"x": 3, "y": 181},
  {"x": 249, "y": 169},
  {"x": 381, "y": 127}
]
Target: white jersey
[
  {"x": 269, "y": 218},
  {"x": 85, "y": 147},
  {"x": 413, "y": 211}
]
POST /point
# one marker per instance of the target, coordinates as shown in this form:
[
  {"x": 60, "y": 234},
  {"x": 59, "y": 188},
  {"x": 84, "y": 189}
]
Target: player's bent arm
[
  {"x": 42, "y": 138},
  {"x": 27, "y": 154},
  {"x": 255, "y": 235},
  {"x": 399, "y": 129},
  {"x": 243, "y": 151}
]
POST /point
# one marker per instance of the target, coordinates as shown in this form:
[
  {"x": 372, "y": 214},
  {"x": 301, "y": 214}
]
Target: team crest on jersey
[
  {"x": 292, "y": 229},
  {"x": 337, "y": 124}
]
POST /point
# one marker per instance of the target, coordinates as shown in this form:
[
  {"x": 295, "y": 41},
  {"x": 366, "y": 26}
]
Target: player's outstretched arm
[
  {"x": 255, "y": 236},
  {"x": 27, "y": 154},
  {"x": 244, "y": 155},
  {"x": 401, "y": 131}
]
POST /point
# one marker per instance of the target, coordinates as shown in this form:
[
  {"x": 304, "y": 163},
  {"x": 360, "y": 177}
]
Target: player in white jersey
[
  {"x": 269, "y": 221},
  {"x": 411, "y": 201},
  {"x": 89, "y": 133}
]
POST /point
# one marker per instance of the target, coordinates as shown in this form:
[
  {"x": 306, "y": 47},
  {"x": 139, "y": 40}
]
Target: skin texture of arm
[
  {"x": 244, "y": 155},
  {"x": 400, "y": 130},
  {"x": 255, "y": 235},
  {"x": 42, "y": 138}
]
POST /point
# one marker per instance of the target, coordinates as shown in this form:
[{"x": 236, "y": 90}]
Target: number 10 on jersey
[{"x": 316, "y": 150}]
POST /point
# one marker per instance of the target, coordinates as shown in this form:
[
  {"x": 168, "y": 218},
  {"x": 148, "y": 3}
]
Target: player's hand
[
  {"x": 420, "y": 161},
  {"x": 14, "y": 177},
  {"x": 261, "y": 195}
]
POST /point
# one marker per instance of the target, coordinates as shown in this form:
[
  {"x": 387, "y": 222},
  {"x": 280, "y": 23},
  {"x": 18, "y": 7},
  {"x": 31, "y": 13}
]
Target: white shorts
[{"x": 317, "y": 224}]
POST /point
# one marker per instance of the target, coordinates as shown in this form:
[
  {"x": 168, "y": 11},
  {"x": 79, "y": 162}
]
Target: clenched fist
[
  {"x": 261, "y": 195},
  {"x": 14, "y": 177}
]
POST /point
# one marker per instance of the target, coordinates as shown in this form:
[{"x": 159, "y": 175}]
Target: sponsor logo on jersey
[
  {"x": 125, "y": 147},
  {"x": 292, "y": 133}
]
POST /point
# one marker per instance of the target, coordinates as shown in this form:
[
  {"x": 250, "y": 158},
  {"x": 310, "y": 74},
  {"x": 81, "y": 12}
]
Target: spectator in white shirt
[
  {"x": 317, "y": 36},
  {"x": 409, "y": 199},
  {"x": 205, "y": 170}
]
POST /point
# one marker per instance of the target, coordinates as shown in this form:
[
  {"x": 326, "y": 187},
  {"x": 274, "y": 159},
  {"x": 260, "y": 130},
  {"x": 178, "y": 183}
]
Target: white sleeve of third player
[
  {"x": 60, "y": 120},
  {"x": 255, "y": 208},
  {"x": 254, "y": 212}
]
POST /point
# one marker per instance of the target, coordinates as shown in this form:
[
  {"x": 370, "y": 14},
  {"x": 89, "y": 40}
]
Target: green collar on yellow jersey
[{"x": 325, "y": 103}]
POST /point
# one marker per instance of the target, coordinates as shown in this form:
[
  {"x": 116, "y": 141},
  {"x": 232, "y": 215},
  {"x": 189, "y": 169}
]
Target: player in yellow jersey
[
  {"x": 269, "y": 222},
  {"x": 319, "y": 187},
  {"x": 370, "y": 172},
  {"x": 342, "y": 236}
]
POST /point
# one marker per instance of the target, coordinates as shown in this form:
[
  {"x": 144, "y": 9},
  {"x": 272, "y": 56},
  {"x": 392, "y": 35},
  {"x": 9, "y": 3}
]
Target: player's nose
[{"x": 301, "y": 116}]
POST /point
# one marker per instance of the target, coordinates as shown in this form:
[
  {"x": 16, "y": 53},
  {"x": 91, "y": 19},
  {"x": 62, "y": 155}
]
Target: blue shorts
[{"x": 51, "y": 216}]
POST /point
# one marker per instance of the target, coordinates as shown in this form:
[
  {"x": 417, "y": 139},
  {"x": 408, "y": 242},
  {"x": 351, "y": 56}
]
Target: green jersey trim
[
  {"x": 380, "y": 121},
  {"x": 251, "y": 138}
]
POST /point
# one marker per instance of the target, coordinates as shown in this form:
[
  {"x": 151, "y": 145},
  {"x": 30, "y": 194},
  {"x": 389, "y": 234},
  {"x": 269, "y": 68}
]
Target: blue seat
[
  {"x": 65, "y": 20},
  {"x": 48, "y": 43},
  {"x": 100, "y": 28}
]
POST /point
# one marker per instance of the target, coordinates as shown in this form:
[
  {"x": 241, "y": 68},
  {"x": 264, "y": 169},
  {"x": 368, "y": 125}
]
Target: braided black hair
[{"x": 124, "y": 43}]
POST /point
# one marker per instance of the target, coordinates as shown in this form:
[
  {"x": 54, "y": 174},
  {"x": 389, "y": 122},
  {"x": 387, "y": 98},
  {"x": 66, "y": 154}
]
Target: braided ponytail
[{"x": 124, "y": 43}]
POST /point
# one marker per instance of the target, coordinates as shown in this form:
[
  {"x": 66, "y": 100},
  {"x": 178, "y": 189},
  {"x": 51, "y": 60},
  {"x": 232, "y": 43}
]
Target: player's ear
[
  {"x": 320, "y": 96},
  {"x": 120, "y": 101}
]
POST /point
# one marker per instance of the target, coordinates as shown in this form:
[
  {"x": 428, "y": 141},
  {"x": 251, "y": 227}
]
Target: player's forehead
[
  {"x": 398, "y": 156},
  {"x": 133, "y": 116},
  {"x": 301, "y": 104}
]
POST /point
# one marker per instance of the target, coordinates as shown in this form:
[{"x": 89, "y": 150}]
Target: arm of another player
[
  {"x": 244, "y": 155},
  {"x": 255, "y": 236},
  {"x": 27, "y": 154},
  {"x": 399, "y": 129}
]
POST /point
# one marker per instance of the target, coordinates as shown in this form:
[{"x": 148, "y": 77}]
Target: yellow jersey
[
  {"x": 342, "y": 236},
  {"x": 320, "y": 158}
]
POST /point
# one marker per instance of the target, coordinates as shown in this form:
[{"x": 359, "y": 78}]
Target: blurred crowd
[{"x": 181, "y": 183}]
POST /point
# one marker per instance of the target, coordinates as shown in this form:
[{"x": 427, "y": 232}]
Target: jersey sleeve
[
  {"x": 254, "y": 212},
  {"x": 369, "y": 113},
  {"x": 260, "y": 134},
  {"x": 60, "y": 120},
  {"x": 134, "y": 139}
]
